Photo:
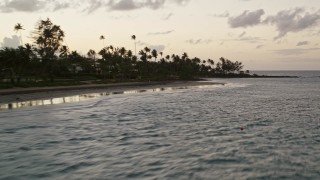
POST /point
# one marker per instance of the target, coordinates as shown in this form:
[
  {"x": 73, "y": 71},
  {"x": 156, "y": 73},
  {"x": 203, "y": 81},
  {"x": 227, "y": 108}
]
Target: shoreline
[{"x": 17, "y": 95}]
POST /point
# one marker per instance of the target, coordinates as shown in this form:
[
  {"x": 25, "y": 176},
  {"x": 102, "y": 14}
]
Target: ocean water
[{"x": 246, "y": 129}]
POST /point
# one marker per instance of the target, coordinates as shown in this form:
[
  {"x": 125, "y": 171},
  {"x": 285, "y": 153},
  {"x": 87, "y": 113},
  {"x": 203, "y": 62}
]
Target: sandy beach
[{"x": 38, "y": 93}]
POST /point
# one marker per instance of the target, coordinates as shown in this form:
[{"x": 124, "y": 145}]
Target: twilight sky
[{"x": 263, "y": 34}]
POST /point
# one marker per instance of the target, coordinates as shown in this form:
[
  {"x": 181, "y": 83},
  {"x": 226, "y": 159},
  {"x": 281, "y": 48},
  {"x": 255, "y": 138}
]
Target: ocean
[{"x": 265, "y": 128}]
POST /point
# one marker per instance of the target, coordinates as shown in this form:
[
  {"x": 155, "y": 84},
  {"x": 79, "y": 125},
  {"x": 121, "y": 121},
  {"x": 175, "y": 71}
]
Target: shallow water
[
  {"x": 15, "y": 102},
  {"x": 178, "y": 134}
]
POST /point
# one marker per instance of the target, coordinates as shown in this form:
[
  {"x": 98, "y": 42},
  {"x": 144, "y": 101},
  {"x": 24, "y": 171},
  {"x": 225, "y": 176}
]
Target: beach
[{"x": 38, "y": 93}]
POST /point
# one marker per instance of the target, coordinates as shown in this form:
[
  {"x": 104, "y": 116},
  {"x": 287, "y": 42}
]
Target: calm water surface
[{"x": 177, "y": 134}]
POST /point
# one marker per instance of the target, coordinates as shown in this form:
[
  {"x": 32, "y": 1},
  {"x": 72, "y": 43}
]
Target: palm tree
[
  {"x": 111, "y": 48},
  {"x": 154, "y": 54},
  {"x": 184, "y": 56},
  {"x": 135, "y": 44},
  {"x": 64, "y": 51},
  {"x": 122, "y": 51},
  {"x": 91, "y": 53},
  {"x": 18, "y": 27},
  {"x": 102, "y": 38},
  {"x": 143, "y": 56},
  {"x": 211, "y": 62},
  {"x": 103, "y": 52},
  {"x": 147, "y": 50},
  {"x": 168, "y": 57},
  {"x": 129, "y": 54}
]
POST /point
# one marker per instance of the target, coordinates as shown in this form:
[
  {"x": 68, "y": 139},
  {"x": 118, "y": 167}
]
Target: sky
[{"x": 263, "y": 34}]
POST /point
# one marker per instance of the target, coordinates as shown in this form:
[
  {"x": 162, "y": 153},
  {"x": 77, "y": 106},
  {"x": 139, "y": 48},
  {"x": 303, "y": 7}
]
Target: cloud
[
  {"x": 259, "y": 46},
  {"x": 168, "y": 16},
  {"x": 242, "y": 34},
  {"x": 247, "y": 39},
  {"x": 94, "y": 5},
  {"x": 282, "y": 41},
  {"x": 22, "y": 5},
  {"x": 199, "y": 41},
  {"x": 154, "y": 4},
  {"x": 295, "y": 20},
  {"x": 12, "y": 42},
  {"x": 302, "y": 43},
  {"x": 141, "y": 43},
  {"x": 159, "y": 48},
  {"x": 128, "y": 5},
  {"x": 222, "y": 15},
  {"x": 9, "y": 6},
  {"x": 84, "y": 5},
  {"x": 251, "y": 39},
  {"x": 161, "y": 33},
  {"x": 246, "y": 19},
  {"x": 132, "y": 5},
  {"x": 123, "y": 5},
  {"x": 294, "y": 52},
  {"x": 181, "y": 2},
  {"x": 286, "y": 21},
  {"x": 59, "y": 6}
]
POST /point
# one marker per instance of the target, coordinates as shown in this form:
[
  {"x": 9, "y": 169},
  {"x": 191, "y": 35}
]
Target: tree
[
  {"x": 129, "y": 54},
  {"x": 49, "y": 58},
  {"x": 78, "y": 63},
  {"x": 184, "y": 56},
  {"x": 211, "y": 63},
  {"x": 103, "y": 52},
  {"x": 18, "y": 27},
  {"x": 227, "y": 66},
  {"x": 49, "y": 38},
  {"x": 147, "y": 50},
  {"x": 135, "y": 44},
  {"x": 122, "y": 51},
  {"x": 91, "y": 54},
  {"x": 143, "y": 56},
  {"x": 102, "y": 38},
  {"x": 64, "y": 51},
  {"x": 154, "y": 54},
  {"x": 168, "y": 57}
]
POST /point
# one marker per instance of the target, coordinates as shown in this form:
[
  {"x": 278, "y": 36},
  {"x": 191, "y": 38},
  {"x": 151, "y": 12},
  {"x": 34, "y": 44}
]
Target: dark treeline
[{"x": 47, "y": 59}]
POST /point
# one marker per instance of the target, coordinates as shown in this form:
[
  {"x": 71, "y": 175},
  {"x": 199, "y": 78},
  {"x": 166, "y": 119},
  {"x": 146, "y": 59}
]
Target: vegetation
[
  {"x": 47, "y": 62},
  {"x": 18, "y": 27}
]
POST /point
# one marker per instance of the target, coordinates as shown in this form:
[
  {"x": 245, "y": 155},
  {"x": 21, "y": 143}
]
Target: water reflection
[{"x": 82, "y": 97}]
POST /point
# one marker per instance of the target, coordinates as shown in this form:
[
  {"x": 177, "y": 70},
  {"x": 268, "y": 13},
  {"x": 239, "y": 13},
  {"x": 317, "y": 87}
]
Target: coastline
[{"x": 15, "y": 95}]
